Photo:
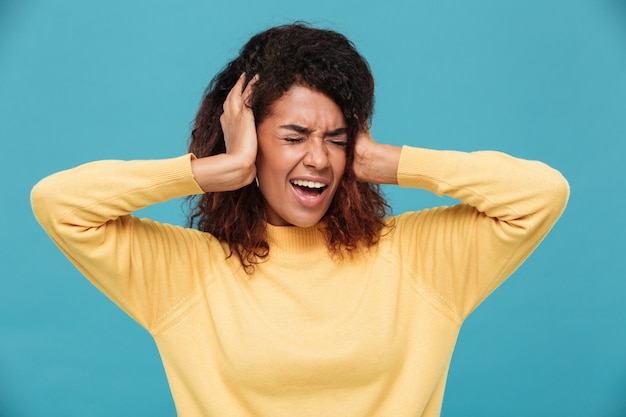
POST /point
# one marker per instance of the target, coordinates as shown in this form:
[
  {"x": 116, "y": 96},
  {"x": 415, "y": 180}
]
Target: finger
[
  {"x": 251, "y": 84},
  {"x": 249, "y": 89},
  {"x": 235, "y": 93},
  {"x": 238, "y": 87}
]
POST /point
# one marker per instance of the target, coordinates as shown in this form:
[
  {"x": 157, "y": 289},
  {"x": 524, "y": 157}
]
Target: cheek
[
  {"x": 272, "y": 170},
  {"x": 265, "y": 160},
  {"x": 339, "y": 163},
  {"x": 274, "y": 163}
]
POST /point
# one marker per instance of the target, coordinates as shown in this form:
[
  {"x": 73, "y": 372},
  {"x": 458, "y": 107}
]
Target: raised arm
[
  {"x": 464, "y": 252},
  {"x": 138, "y": 263},
  {"x": 86, "y": 212}
]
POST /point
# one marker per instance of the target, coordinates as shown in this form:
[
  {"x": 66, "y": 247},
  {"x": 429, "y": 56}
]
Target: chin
[
  {"x": 296, "y": 216},
  {"x": 304, "y": 222},
  {"x": 299, "y": 221}
]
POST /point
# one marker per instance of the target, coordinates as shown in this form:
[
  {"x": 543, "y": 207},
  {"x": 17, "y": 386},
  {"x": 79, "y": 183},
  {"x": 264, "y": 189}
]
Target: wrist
[
  {"x": 223, "y": 172},
  {"x": 378, "y": 163}
]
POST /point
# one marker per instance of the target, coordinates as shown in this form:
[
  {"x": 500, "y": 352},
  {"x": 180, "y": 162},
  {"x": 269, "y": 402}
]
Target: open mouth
[{"x": 309, "y": 188}]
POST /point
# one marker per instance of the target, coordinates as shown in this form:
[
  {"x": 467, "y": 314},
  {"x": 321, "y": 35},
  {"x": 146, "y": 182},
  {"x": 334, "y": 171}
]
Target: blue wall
[{"x": 119, "y": 79}]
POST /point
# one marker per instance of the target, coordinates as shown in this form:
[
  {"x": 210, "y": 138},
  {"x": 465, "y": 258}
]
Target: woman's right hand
[{"x": 237, "y": 167}]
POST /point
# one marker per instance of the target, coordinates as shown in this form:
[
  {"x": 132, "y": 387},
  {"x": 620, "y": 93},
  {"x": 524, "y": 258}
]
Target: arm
[
  {"x": 86, "y": 212},
  {"x": 463, "y": 253},
  {"x": 143, "y": 266}
]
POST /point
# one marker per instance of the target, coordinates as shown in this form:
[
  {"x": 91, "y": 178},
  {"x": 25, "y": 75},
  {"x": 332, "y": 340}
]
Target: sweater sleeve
[
  {"x": 462, "y": 253},
  {"x": 143, "y": 266}
]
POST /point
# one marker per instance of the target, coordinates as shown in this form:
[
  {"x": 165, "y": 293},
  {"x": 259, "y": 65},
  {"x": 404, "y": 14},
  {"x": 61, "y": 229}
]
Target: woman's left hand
[{"x": 374, "y": 162}]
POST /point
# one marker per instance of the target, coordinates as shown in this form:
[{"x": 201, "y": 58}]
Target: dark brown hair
[{"x": 284, "y": 56}]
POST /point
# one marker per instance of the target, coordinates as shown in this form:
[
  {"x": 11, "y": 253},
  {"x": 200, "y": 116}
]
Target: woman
[{"x": 297, "y": 296}]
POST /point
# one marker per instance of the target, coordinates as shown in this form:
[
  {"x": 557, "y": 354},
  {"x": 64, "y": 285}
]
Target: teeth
[{"x": 308, "y": 184}]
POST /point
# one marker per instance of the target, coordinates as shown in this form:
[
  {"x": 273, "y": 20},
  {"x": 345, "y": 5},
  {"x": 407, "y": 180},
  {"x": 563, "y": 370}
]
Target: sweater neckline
[{"x": 294, "y": 239}]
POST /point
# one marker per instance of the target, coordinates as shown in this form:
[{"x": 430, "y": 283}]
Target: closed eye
[
  {"x": 338, "y": 141},
  {"x": 293, "y": 140}
]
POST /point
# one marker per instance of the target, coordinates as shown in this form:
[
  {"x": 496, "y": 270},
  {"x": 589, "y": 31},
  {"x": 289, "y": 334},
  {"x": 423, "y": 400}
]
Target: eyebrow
[{"x": 305, "y": 131}]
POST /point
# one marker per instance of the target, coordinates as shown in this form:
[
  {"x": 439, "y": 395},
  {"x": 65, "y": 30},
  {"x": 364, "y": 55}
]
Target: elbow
[
  {"x": 38, "y": 198},
  {"x": 560, "y": 192},
  {"x": 551, "y": 200},
  {"x": 41, "y": 199},
  {"x": 547, "y": 204}
]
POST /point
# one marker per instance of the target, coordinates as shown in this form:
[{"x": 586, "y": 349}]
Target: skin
[{"x": 301, "y": 140}]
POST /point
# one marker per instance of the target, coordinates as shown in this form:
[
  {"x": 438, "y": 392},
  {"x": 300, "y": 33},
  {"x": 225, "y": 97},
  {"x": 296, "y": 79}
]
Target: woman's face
[{"x": 301, "y": 156}]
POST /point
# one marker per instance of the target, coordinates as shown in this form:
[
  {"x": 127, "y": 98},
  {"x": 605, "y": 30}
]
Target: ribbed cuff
[
  {"x": 176, "y": 172},
  {"x": 420, "y": 168}
]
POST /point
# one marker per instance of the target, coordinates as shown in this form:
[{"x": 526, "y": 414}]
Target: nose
[{"x": 316, "y": 154}]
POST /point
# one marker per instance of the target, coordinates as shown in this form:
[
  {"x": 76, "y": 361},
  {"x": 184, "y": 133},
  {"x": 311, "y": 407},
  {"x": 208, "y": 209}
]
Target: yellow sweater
[{"x": 306, "y": 334}]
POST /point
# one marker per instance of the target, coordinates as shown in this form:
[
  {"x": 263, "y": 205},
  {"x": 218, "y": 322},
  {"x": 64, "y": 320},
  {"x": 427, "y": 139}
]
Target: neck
[{"x": 296, "y": 241}]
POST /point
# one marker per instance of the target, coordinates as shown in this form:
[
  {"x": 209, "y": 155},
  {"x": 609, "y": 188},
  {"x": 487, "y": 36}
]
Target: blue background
[{"x": 540, "y": 79}]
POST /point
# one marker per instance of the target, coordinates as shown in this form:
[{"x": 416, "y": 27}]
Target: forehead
[{"x": 307, "y": 107}]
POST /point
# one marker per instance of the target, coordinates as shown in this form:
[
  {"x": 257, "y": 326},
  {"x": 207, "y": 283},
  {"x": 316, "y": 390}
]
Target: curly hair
[{"x": 284, "y": 56}]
